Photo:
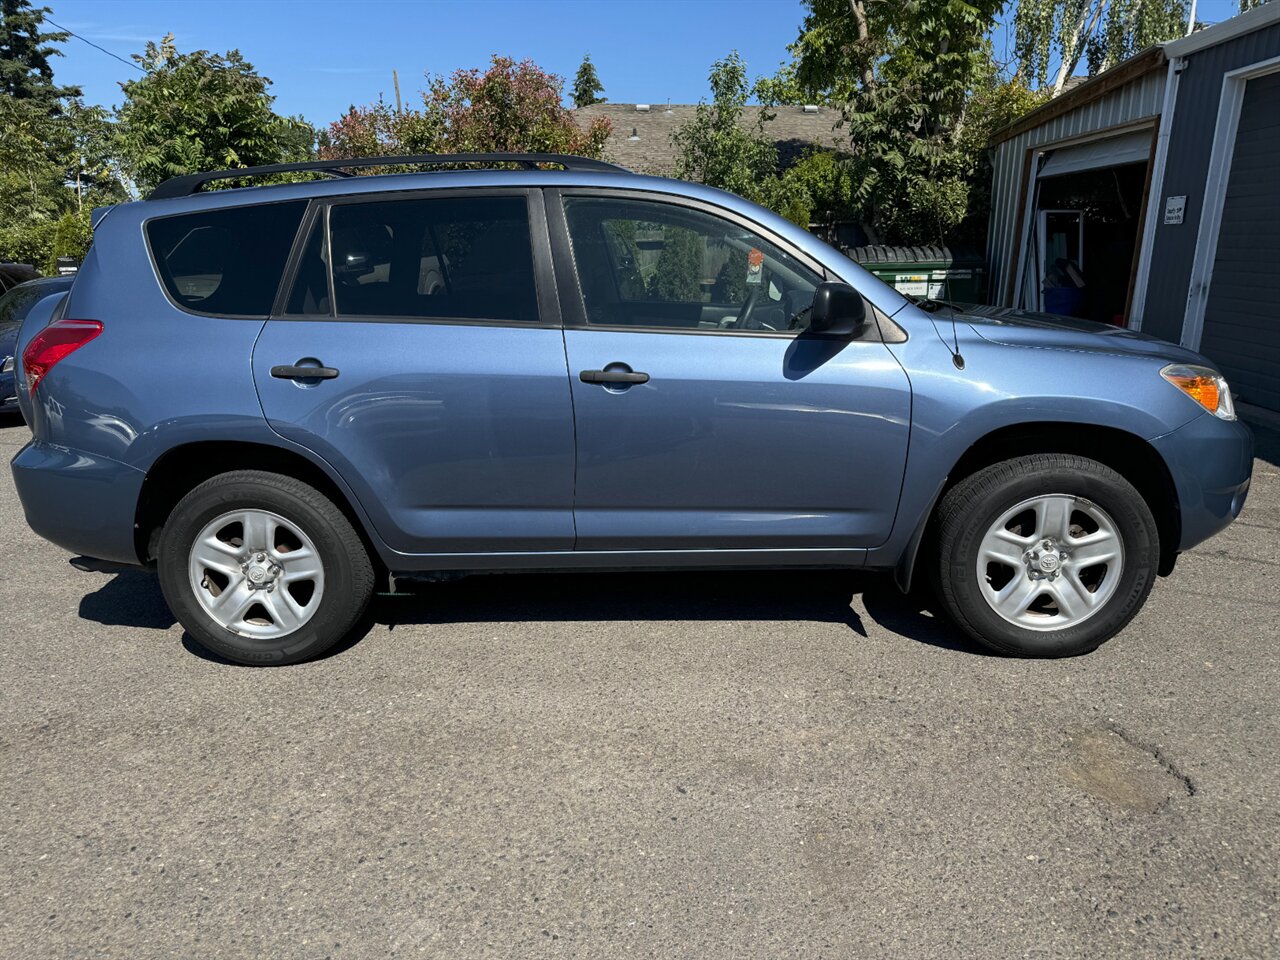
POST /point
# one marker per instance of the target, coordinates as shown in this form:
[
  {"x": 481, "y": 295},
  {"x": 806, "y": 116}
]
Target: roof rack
[{"x": 190, "y": 183}]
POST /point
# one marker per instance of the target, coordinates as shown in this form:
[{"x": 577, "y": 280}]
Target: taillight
[{"x": 58, "y": 340}]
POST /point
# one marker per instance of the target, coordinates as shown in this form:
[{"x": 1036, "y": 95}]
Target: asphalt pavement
[{"x": 757, "y": 764}]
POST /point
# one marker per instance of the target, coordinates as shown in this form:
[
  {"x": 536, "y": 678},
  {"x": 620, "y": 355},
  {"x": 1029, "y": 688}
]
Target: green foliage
[
  {"x": 71, "y": 235},
  {"x": 198, "y": 111},
  {"x": 679, "y": 271},
  {"x": 32, "y": 184},
  {"x": 826, "y": 178},
  {"x": 586, "y": 85},
  {"x": 25, "y": 73},
  {"x": 919, "y": 96},
  {"x": 511, "y": 107},
  {"x": 715, "y": 148},
  {"x": 1058, "y": 34}
]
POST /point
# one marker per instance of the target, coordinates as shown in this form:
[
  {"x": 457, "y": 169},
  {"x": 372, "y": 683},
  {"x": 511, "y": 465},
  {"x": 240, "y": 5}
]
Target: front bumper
[
  {"x": 83, "y": 503},
  {"x": 1211, "y": 461}
]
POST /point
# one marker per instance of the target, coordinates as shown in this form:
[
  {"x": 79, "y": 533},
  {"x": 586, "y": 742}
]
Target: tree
[
  {"x": 1099, "y": 32},
  {"x": 198, "y": 111},
  {"x": 88, "y": 153},
  {"x": 715, "y": 147},
  {"x": 904, "y": 77},
  {"x": 25, "y": 73},
  {"x": 511, "y": 107},
  {"x": 586, "y": 85}
]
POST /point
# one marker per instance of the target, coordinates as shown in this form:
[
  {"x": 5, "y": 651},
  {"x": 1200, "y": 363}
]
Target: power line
[{"x": 127, "y": 63}]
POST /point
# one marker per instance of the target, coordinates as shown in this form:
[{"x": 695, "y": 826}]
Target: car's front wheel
[
  {"x": 1048, "y": 555},
  {"x": 263, "y": 569}
]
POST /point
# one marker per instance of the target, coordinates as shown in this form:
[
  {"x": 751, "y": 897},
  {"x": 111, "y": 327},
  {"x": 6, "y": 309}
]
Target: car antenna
[{"x": 954, "y": 345}]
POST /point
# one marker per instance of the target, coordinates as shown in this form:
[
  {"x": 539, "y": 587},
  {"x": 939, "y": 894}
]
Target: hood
[{"x": 1025, "y": 328}]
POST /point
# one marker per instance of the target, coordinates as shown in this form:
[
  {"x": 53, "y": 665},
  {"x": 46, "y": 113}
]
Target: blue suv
[{"x": 283, "y": 396}]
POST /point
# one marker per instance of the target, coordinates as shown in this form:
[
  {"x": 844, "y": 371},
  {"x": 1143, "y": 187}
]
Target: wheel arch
[
  {"x": 179, "y": 470},
  {"x": 1127, "y": 453}
]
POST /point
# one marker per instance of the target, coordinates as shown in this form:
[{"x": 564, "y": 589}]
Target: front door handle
[
  {"x": 294, "y": 372},
  {"x": 613, "y": 376}
]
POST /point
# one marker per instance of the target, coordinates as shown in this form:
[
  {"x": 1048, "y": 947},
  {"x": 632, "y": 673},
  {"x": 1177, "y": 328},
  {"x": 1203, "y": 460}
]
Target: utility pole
[
  {"x": 395, "y": 78},
  {"x": 1191, "y": 20}
]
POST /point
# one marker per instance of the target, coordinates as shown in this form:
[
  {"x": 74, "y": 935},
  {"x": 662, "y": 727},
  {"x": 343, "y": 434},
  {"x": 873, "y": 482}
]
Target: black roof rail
[{"x": 191, "y": 183}]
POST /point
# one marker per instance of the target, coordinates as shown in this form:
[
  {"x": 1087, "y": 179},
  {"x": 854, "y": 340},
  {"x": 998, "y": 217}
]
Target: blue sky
[{"x": 325, "y": 54}]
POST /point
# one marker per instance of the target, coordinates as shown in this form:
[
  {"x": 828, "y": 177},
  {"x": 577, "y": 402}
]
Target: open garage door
[{"x": 1084, "y": 227}]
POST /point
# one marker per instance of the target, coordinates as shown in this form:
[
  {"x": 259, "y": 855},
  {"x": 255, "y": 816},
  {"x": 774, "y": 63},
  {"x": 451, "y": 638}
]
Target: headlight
[
  {"x": 1204, "y": 385},
  {"x": 6, "y": 365}
]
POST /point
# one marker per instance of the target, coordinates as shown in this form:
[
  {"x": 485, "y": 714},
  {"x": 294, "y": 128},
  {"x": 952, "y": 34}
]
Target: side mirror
[{"x": 838, "y": 310}]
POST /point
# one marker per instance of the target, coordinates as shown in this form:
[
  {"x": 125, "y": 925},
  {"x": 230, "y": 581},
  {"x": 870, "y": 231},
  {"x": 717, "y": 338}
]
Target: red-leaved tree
[{"x": 511, "y": 107}]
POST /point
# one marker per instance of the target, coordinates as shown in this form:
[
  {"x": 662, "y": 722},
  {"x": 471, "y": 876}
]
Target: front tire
[
  {"x": 263, "y": 569},
  {"x": 1048, "y": 555}
]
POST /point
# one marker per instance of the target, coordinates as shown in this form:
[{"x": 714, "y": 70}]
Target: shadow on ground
[
  {"x": 133, "y": 599},
  {"x": 1266, "y": 440}
]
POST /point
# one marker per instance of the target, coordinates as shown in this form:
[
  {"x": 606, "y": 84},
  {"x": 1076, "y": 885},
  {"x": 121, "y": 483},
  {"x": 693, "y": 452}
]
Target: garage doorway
[{"x": 1085, "y": 227}]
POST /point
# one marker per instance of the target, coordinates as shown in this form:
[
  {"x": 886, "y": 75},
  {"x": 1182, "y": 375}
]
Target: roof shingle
[{"x": 792, "y": 129}]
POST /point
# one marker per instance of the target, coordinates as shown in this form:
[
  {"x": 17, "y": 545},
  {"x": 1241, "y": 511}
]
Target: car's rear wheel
[
  {"x": 1045, "y": 556},
  {"x": 263, "y": 569}
]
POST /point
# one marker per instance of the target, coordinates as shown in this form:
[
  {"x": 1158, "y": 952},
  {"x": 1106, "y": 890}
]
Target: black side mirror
[{"x": 838, "y": 310}]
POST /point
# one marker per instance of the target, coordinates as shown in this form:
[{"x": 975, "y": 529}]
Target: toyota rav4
[{"x": 283, "y": 396}]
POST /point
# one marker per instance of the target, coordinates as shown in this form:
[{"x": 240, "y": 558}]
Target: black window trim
[
  {"x": 164, "y": 287},
  {"x": 547, "y": 298},
  {"x": 573, "y": 304}
]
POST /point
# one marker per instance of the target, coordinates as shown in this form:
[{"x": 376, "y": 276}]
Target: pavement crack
[{"x": 1160, "y": 756}]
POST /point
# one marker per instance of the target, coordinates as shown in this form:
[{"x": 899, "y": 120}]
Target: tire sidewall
[
  {"x": 339, "y": 603},
  {"x": 1137, "y": 532}
]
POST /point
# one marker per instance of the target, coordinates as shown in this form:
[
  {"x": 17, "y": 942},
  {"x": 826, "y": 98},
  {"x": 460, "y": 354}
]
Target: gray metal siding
[
  {"x": 1242, "y": 314},
  {"x": 1191, "y": 142},
  {"x": 1138, "y": 100}
]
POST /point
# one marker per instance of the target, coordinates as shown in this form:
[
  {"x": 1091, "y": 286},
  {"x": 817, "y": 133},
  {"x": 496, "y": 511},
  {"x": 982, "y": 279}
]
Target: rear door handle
[
  {"x": 293, "y": 372},
  {"x": 613, "y": 376}
]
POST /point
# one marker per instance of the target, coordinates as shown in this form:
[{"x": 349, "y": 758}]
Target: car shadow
[
  {"x": 133, "y": 599},
  {"x": 1266, "y": 439}
]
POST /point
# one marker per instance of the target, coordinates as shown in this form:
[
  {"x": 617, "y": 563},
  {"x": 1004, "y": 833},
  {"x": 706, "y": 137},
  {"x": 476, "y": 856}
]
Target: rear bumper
[
  {"x": 1211, "y": 462},
  {"x": 83, "y": 503}
]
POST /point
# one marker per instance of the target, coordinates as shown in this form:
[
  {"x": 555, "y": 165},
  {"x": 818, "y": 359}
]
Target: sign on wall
[{"x": 1174, "y": 208}]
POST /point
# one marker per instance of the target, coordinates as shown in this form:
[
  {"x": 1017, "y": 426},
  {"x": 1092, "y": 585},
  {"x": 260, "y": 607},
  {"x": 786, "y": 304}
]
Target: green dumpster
[{"x": 958, "y": 274}]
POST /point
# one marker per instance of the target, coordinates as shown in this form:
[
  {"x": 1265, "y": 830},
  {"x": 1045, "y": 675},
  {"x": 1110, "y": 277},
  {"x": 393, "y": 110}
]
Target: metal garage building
[{"x": 1149, "y": 196}]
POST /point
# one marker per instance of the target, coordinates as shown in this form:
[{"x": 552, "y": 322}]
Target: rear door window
[
  {"x": 225, "y": 262},
  {"x": 445, "y": 258}
]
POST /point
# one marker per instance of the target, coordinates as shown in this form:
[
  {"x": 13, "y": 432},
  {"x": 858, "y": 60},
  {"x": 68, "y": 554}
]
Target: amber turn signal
[{"x": 1203, "y": 385}]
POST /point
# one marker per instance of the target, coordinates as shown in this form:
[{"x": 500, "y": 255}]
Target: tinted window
[
  {"x": 310, "y": 293},
  {"x": 445, "y": 258},
  {"x": 647, "y": 263},
  {"x": 225, "y": 261}
]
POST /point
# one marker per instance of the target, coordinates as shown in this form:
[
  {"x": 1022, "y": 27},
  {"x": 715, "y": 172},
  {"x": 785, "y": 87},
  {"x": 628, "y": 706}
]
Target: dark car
[{"x": 14, "y": 307}]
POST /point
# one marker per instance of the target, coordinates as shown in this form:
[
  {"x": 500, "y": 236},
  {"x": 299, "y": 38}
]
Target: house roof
[{"x": 793, "y": 129}]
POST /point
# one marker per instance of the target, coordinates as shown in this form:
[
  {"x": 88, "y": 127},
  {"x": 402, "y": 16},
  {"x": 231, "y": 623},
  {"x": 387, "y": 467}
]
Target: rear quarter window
[{"x": 225, "y": 262}]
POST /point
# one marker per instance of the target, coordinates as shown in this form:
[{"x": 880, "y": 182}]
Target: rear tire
[
  {"x": 263, "y": 569},
  {"x": 1048, "y": 555}
]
